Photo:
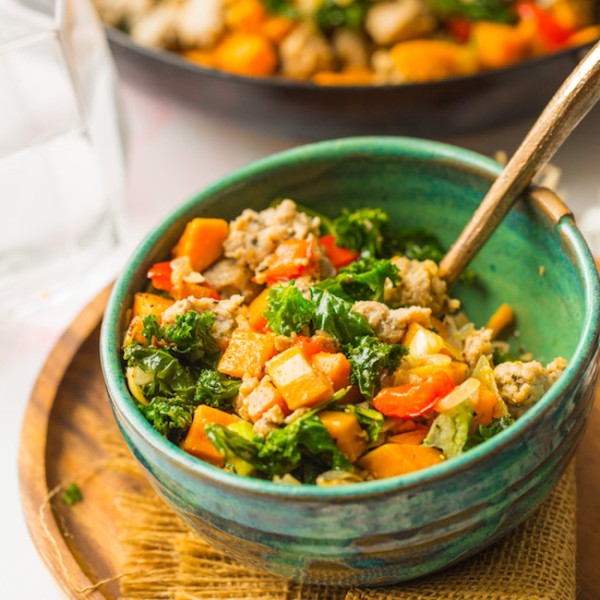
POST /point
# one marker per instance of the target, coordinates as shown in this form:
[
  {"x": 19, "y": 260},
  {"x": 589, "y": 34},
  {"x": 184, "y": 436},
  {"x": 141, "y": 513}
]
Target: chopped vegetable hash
[
  {"x": 355, "y": 42},
  {"x": 294, "y": 347}
]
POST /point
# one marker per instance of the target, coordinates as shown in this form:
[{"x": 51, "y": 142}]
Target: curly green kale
[
  {"x": 190, "y": 336},
  {"x": 500, "y": 11},
  {"x": 216, "y": 389},
  {"x": 364, "y": 230},
  {"x": 72, "y": 495},
  {"x": 363, "y": 279},
  {"x": 288, "y": 311},
  {"x": 485, "y": 432},
  {"x": 335, "y": 316},
  {"x": 369, "y": 358},
  {"x": 331, "y": 14},
  {"x": 171, "y": 417},
  {"x": 285, "y": 8},
  {"x": 283, "y": 450}
]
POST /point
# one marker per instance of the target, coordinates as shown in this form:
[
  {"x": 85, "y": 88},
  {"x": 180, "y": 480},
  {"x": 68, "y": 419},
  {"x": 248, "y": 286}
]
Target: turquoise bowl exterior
[{"x": 391, "y": 530}]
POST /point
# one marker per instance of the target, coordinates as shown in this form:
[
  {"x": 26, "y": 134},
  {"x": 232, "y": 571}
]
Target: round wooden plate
[{"x": 66, "y": 416}]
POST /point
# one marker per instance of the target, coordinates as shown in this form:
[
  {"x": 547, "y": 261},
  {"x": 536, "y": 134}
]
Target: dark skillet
[{"x": 305, "y": 110}]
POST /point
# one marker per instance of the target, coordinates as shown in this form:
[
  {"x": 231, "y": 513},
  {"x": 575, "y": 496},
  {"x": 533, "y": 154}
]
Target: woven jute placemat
[{"x": 163, "y": 559}]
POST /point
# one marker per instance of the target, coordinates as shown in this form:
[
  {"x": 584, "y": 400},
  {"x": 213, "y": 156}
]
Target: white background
[{"x": 174, "y": 152}]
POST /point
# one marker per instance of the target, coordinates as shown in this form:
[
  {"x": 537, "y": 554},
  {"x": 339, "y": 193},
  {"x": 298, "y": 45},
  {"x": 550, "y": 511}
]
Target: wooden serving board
[{"x": 68, "y": 414}]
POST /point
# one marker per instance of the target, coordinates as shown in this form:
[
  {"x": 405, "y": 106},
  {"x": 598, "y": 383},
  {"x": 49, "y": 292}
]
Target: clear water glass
[{"x": 61, "y": 149}]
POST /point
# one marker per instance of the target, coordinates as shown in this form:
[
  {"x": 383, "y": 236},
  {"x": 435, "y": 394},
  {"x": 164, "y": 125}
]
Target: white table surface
[{"x": 173, "y": 152}]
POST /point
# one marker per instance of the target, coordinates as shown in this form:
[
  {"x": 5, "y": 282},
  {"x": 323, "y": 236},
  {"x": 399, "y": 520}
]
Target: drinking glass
[{"x": 61, "y": 149}]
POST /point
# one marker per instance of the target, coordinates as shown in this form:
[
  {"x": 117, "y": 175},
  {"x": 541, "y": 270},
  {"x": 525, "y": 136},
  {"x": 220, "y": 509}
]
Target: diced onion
[
  {"x": 465, "y": 391},
  {"x": 135, "y": 379},
  {"x": 438, "y": 360},
  {"x": 455, "y": 352},
  {"x": 425, "y": 342}
]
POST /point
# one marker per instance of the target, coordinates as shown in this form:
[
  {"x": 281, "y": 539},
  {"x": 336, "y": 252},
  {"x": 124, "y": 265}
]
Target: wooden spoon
[{"x": 574, "y": 99}]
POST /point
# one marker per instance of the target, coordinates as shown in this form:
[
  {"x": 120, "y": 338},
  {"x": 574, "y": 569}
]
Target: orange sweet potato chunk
[
  {"x": 345, "y": 431},
  {"x": 144, "y": 305},
  {"x": 336, "y": 366},
  {"x": 196, "y": 441},
  {"x": 390, "y": 460},
  {"x": 202, "y": 241},
  {"x": 256, "y": 310},
  {"x": 297, "y": 380},
  {"x": 149, "y": 304},
  {"x": 247, "y": 354},
  {"x": 415, "y": 437}
]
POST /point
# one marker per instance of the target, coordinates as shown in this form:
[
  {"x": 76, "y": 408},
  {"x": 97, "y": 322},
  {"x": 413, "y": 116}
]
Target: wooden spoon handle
[{"x": 569, "y": 105}]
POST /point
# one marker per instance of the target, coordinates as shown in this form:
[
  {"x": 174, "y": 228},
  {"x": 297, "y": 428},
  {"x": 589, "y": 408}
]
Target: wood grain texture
[
  {"x": 68, "y": 418},
  {"x": 574, "y": 99}
]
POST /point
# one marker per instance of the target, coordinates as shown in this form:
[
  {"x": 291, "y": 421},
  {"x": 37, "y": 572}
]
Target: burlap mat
[{"x": 163, "y": 559}]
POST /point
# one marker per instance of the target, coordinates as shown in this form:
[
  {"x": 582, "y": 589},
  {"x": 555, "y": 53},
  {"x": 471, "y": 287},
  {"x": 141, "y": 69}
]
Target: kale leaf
[
  {"x": 72, "y": 495},
  {"x": 335, "y": 316},
  {"x": 170, "y": 377},
  {"x": 282, "y": 450},
  {"x": 362, "y": 280},
  {"x": 282, "y": 7},
  {"x": 189, "y": 336},
  {"x": 485, "y": 432},
  {"x": 364, "y": 230},
  {"x": 216, "y": 389},
  {"x": 369, "y": 418},
  {"x": 500, "y": 11},
  {"x": 332, "y": 14},
  {"x": 288, "y": 310},
  {"x": 369, "y": 358},
  {"x": 171, "y": 417},
  {"x": 416, "y": 243}
]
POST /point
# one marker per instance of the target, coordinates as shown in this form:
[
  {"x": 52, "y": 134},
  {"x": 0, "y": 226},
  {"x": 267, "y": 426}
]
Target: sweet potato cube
[
  {"x": 415, "y": 437},
  {"x": 336, "y": 366},
  {"x": 196, "y": 441},
  {"x": 202, "y": 241},
  {"x": 194, "y": 289},
  {"x": 256, "y": 311},
  {"x": 486, "y": 407},
  {"x": 346, "y": 432},
  {"x": 247, "y": 353},
  {"x": 149, "y": 304},
  {"x": 134, "y": 332},
  {"x": 264, "y": 397},
  {"x": 297, "y": 380},
  {"x": 390, "y": 460}
]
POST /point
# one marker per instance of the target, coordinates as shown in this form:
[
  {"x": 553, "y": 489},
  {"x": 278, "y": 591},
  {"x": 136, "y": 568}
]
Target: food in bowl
[
  {"x": 294, "y": 347},
  {"x": 397, "y": 528},
  {"x": 355, "y": 42}
]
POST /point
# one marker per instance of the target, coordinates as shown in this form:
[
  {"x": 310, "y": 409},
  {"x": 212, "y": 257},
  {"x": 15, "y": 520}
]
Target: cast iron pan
[{"x": 305, "y": 110}]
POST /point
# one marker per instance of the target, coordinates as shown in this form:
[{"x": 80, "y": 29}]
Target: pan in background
[{"x": 305, "y": 110}]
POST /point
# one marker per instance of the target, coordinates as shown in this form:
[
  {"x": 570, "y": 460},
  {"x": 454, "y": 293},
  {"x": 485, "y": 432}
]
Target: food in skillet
[
  {"x": 303, "y": 349},
  {"x": 355, "y": 42}
]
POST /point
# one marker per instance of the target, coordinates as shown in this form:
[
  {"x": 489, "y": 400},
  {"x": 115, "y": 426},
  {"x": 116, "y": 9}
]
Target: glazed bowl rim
[{"x": 400, "y": 147}]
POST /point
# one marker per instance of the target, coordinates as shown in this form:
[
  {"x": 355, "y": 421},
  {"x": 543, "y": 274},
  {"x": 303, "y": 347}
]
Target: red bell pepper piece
[
  {"x": 552, "y": 33},
  {"x": 460, "y": 28},
  {"x": 160, "y": 274},
  {"x": 413, "y": 399},
  {"x": 338, "y": 255}
]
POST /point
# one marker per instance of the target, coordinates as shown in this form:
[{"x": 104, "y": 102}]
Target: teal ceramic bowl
[{"x": 395, "y": 529}]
